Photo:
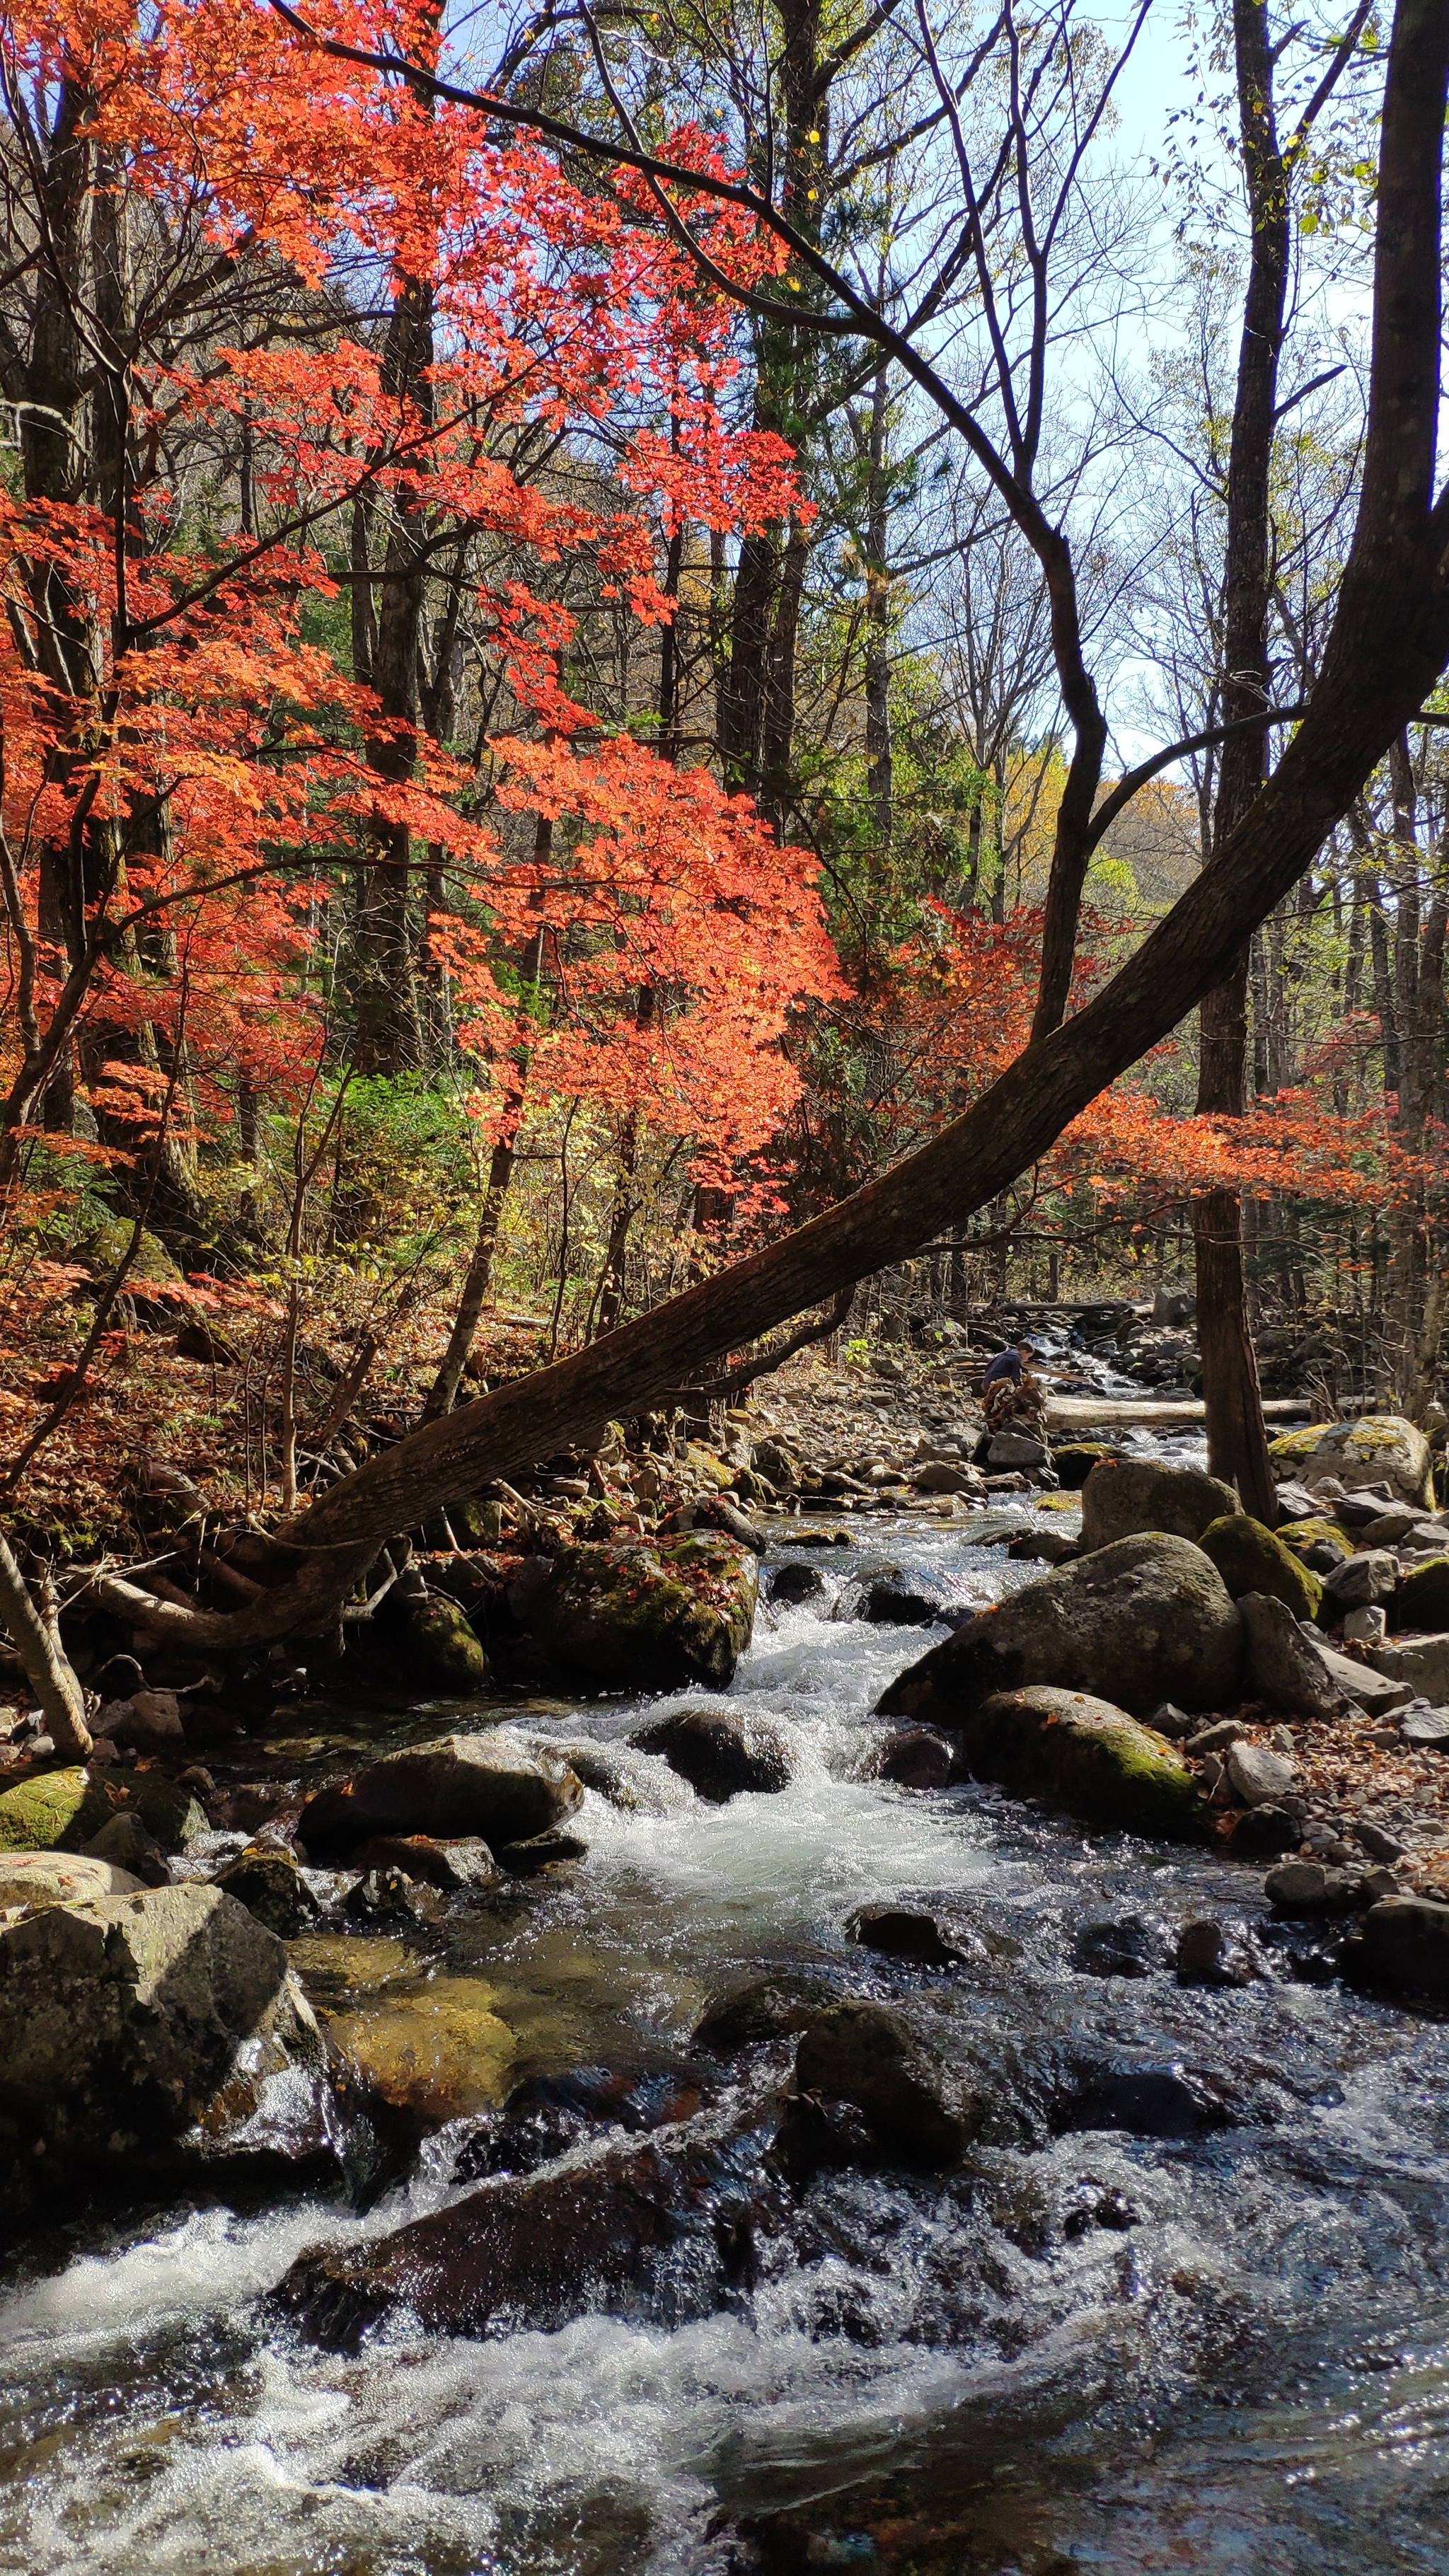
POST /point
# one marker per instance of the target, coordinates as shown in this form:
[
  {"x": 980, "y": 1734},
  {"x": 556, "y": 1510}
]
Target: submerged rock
[
  {"x": 767, "y": 2008},
  {"x": 914, "y": 1758},
  {"x": 634, "y": 1617},
  {"x": 917, "y": 2111},
  {"x": 1135, "y": 1946},
  {"x": 897, "y": 1933},
  {"x": 1251, "y": 1558},
  {"x": 1123, "y": 1496},
  {"x": 1144, "y": 1620},
  {"x": 1083, "y": 1757},
  {"x": 434, "y": 2056},
  {"x": 721, "y": 1752},
  {"x": 460, "y": 1786}
]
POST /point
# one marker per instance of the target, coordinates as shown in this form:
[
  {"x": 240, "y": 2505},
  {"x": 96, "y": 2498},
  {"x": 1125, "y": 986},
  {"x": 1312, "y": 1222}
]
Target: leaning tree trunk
[{"x": 47, "y": 1667}]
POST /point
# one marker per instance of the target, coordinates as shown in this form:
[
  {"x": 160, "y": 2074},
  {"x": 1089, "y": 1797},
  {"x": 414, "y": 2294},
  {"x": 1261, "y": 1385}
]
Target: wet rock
[
  {"x": 721, "y": 1752},
  {"x": 633, "y": 1617},
  {"x": 458, "y": 1866},
  {"x": 767, "y": 2008},
  {"x": 793, "y": 1583},
  {"x": 1043, "y": 1547},
  {"x": 1259, "y": 1777},
  {"x": 612, "y": 1771},
  {"x": 1143, "y": 1620},
  {"x": 1285, "y": 1667},
  {"x": 1380, "y": 1448},
  {"x": 1251, "y": 1558},
  {"x": 1123, "y": 1496},
  {"x": 1083, "y": 1757},
  {"x": 271, "y": 1886},
  {"x": 126, "y": 1842},
  {"x": 1304, "y": 1888},
  {"x": 124, "y": 2019},
  {"x": 896, "y": 1600},
  {"x": 657, "y": 2228},
  {"x": 914, "y": 1758},
  {"x": 1362, "y": 1582},
  {"x": 39, "y": 1879},
  {"x": 916, "y": 2111},
  {"x": 1137, "y": 1946},
  {"x": 1075, "y": 1459},
  {"x": 458, "y": 1787},
  {"x": 439, "y": 1642},
  {"x": 1205, "y": 1956},
  {"x": 546, "y": 2115},
  {"x": 1422, "y": 1599},
  {"x": 899, "y": 1934},
  {"x": 435, "y": 2056},
  {"x": 389, "y": 1896},
  {"x": 1403, "y": 1944},
  {"x": 1262, "y": 1831},
  {"x": 541, "y": 1851},
  {"x": 1148, "y": 2101}
]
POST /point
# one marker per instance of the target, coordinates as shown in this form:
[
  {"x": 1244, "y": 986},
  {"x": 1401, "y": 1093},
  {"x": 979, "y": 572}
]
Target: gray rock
[
  {"x": 1376, "y": 1842},
  {"x": 122, "y": 2019},
  {"x": 896, "y": 1600},
  {"x": 1367, "y": 1627},
  {"x": 487, "y": 1785},
  {"x": 1295, "y": 1503},
  {"x": 1419, "y": 1664},
  {"x": 1172, "y": 1722},
  {"x": 1388, "y": 1527},
  {"x": 271, "y": 1886},
  {"x": 1215, "y": 1738},
  {"x": 1377, "y": 1693},
  {"x": 1141, "y": 1621},
  {"x": 1376, "y": 1449},
  {"x": 126, "y": 1843},
  {"x": 1362, "y": 1581},
  {"x": 721, "y": 1752},
  {"x": 458, "y": 1866},
  {"x": 1305, "y": 1887},
  {"x": 943, "y": 1476},
  {"x": 1259, "y": 1833},
  {"x": 1426, "y": 1727},
  {"x": 913, "y": 2106},
  {"x": 1043, "y": 1547},
  {"x": 1259, "y": 1776},
  {"x": 1283, "y": 1666},
  {"x": 1125, "y": 1495},
  {"x": 41, "y": 1879},
  {"x": 1016, "y": 1449}
]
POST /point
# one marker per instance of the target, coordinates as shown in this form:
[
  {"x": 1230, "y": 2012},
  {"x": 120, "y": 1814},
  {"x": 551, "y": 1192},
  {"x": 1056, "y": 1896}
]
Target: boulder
[
  {"x": 1317, "y": 1542},
  {"x": 1259, "y": 1777},
  {"x": 39, "y": 1879},
  {"x": 1404, "y": 1944},
  {"x": 457, "y": 1866},
  {"x": 1285, "y": 1667},
  {"x": 633, "y": 1617},
  {"x": 1306, "y": 1888},
  {"x": 917, "y": 2112},
  {"x": 1251, "y": 1558},
  {"x": 1075, "y": 1459},
  {"x": 954, "y": 1476},
  {"x": 896, "y": 1600},
  {"x": 1381, "y": 1448},
  {"x": 1363, "y": 1581},
  {"x": 123, "y": 2018},
  {"x": 127, "y": 1845},
  {"x": 1013, "y": 1448},
  {"x": 914, "y": 1758},
  {"x": 149, "y": 1721},
  {"x": 1422, "y": 1599},
  {"x": 55, "y": 1811},
  {"x": 1260, "y": 1833},
  {"x": 721, "y": 1751},
  {"x": 1418, "y": 1665},
  {"x": 1083, "y": 1757},
  {"x": 791, "y": 1583},
  {"x": 1144, "y": 1620},
  {"x": 487, "y": 1785},
  {"x": 1124, "y": 1495},
  {"x": 439, "y": 1643},
  {"x": 767, "y": 2008},
  {"x": 436, "y": 2056},
  {"x": 655, "y": 2228},
  {"x": 271, "y": 1886}
]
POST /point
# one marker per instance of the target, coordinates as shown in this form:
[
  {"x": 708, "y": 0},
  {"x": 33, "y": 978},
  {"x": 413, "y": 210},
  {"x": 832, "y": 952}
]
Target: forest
[{"x": 724, "y": 803}]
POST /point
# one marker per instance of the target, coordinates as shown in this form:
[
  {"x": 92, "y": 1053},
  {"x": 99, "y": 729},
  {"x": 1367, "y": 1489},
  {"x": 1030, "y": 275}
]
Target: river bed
[{"x": 1221, "y": 2345}]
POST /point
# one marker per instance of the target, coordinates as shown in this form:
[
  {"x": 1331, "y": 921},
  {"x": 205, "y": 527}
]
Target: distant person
[{"x": 1013, "y": 1388}]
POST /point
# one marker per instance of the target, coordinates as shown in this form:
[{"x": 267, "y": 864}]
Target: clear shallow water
[{"x": 1227, "y": 2351}]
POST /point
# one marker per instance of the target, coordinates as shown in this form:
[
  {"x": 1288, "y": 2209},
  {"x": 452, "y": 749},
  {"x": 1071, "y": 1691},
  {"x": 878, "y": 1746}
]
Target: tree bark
[{"x": 47, "y": 1667}]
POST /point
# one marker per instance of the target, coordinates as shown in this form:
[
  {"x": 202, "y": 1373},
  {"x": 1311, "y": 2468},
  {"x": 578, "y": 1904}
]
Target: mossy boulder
[
  {"x": 1422, "y": 1599},
  {"x": 1145, "y": 1620},
  {"x": 1381, "y": 1448},
  {"x": 1300, "y": 1537},
  {"x": 643, "y": 1618},
  {"x": 1075, "y": 1459},
  {"x": 1251, "y": 1558},
  {"x": 440, "y": 1644},
  {"x": 1124, "y": 1495},
  {"x": 1083, "y": 1757},
  {"x": 55, "y": 1811}
]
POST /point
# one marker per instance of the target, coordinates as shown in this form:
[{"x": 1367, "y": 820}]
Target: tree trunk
[{"x": 47, "y": 1668}]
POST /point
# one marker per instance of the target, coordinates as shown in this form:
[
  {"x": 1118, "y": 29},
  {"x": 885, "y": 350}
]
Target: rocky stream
[{"x": 879, "y": 2186}]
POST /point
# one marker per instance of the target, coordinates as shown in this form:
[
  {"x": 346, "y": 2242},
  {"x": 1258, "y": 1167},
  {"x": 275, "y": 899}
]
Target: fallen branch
[
  {"x": 36, "y": 1636},
  {"x": 718, "y": 1390}
]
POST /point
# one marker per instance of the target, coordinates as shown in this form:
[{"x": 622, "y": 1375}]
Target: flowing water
[{"x": 1220, "y": 2345}]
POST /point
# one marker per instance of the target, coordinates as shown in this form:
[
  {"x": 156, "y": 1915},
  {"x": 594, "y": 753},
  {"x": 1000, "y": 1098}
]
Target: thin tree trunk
[{"x": 36, "y": 1638}]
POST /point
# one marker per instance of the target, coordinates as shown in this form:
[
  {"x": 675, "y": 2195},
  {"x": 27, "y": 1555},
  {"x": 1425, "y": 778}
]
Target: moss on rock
[
  {"x": 1380, "y": 1447},
  {"x": 54, "y": 1811},
  {"x": 440, "y": 1643},
  {"x": 1320, "y": 1531},
  {"x": 1251, "y": 1558},
  {"x": 1086, "y": 1758},
  {"x": 437, "y": 2055},
  {"x": 1075, "y": 1459},
  {"x": 647, "y": 1618},
  {"x": 1422, "y": 1599}
]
